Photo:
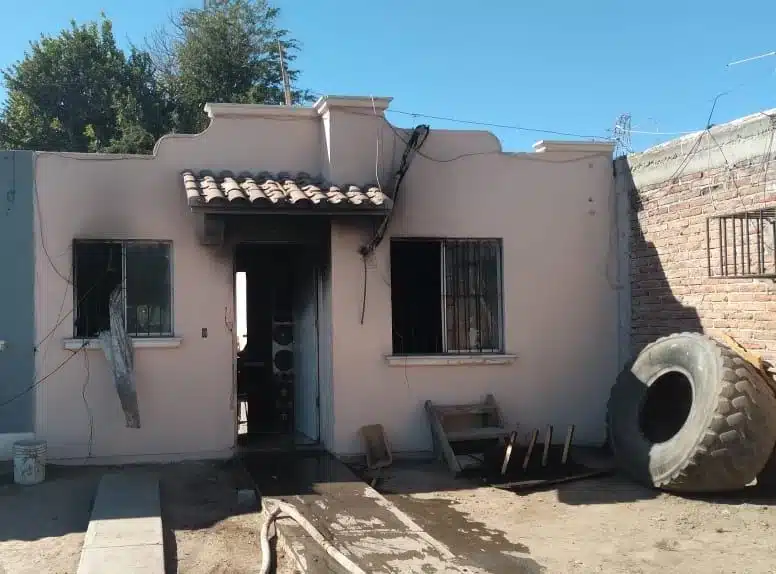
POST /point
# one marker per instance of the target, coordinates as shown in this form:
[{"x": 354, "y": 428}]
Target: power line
[
  {"x": 657, "y": 133},
  {"x": 516, "y": 155},
  {"x": 486, "y": 124},
  {"x": 499, "y": 126},
  {"x": 43, "y": 379},
  {"x": 736, "y": 62}
]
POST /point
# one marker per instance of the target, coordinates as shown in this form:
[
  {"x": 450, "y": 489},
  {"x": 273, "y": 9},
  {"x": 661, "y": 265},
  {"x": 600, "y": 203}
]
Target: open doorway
[{"x": 276, "y": 305}]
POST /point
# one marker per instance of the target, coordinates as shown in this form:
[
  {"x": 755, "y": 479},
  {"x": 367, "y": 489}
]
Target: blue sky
[{"x": 569, "y": 65}]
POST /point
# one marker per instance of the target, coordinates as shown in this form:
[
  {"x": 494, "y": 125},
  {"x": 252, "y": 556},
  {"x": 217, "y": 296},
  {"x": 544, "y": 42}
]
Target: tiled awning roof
[{"x": 282, "y": 191}]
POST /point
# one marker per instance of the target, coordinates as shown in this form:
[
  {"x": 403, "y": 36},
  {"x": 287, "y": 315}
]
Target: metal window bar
[
  {"x": 162, "y": 311},
  {"x": 742, "y": 245},
  {"x": 151, "y": 313},
  {"x": 471, "y": 297}
]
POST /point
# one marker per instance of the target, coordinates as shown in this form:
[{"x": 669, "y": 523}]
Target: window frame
[
  {"x": 442, "y": 242},
  {"x": 123, "y": 243}
]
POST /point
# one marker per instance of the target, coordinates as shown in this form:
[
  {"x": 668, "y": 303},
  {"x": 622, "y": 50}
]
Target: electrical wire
[
  {"x": 81, "y": 299},
  {"x": 484, "y": 124},
  {"x": 44, "y": 379},
  {"x": 42, "y": 237},
  {"x": 363, "y": 300},
  {"x": 69, "y": 358},
  {"x": 377, "y": 151},
  {"x": 658, "y": 133},
  {"x": 767, "y": 155},
  {"x": 413, "y": 145},
  {"x": 513, "y": 155},
  {"x": 89, "y": 412},
  {"x": 496, "y": 125}
]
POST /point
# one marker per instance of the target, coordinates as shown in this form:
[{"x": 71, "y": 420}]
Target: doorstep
[{"x": 352, "y": 516}]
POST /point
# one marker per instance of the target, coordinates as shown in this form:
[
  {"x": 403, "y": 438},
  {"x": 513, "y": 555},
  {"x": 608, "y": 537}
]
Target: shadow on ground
[
  {"x": 59, "y": 506},
  {"x": 195, "y": 497}
]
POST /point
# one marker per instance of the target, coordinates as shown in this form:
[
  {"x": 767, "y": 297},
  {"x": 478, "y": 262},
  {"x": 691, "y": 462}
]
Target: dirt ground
[
  {"x": 42, "y": 527},
  {"x": 206, "y": 529},
  {"x": 600, "y": 525}
]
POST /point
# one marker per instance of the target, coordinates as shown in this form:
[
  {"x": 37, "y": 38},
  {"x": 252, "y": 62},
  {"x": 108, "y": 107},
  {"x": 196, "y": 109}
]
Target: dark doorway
[{"x": 277, "y": 378}]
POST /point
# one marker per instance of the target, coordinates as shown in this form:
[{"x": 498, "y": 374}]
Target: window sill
[
  {"x": 450, "y": 360},
  {"x": 137, "y": 343}
]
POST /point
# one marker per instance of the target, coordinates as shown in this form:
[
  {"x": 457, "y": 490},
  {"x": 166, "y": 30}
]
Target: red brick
[{"x": 670, "y": 287}]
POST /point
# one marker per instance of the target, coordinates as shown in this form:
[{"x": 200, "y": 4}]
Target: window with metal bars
[
  {"x": 742, "y": 244},
  {"x": 446, "y": 296},
  {"x": 141, "y": 268}
]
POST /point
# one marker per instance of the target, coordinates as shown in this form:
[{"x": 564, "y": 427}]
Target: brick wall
[{"x": 731, "y": 170}]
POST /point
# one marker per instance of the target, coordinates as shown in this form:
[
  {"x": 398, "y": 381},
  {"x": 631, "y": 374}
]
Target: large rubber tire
[{"x": 721, "y": 409}]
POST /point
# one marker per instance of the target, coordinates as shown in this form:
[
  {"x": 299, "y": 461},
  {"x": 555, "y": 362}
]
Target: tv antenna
[{"x": 622, "y": 135}]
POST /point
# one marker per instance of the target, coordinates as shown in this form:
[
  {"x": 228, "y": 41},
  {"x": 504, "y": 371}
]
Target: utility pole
[{"x": 284, "y": 76}]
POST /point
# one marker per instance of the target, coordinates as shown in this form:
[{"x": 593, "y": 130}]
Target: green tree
[
  {"x": 227, "y": 51},
  {"x": 79, "y": 92}
]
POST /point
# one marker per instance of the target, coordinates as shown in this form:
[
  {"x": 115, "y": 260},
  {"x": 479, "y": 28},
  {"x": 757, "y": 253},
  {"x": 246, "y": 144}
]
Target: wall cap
[
  {"x": 543, "y": 146},
  {"x": 74, "y": 344},
  {"x": 370, "y": 103},
  {"x": 450, "y": 360},
  {"x": 214, "y": 110}
]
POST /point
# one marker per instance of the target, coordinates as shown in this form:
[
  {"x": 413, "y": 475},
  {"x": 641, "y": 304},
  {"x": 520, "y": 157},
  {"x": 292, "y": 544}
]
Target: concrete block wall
[{"x": 673, "y": 189}]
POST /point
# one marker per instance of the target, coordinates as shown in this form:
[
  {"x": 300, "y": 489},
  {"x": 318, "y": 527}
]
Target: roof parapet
[{"x": 544, "y": 146}]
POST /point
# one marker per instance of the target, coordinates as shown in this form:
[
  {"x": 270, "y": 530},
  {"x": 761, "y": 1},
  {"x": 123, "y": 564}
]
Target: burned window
[
  {"x": 141, "y": 268},
  {"x": 446, "y": 296},
  {"x": 742, "y": 244}
]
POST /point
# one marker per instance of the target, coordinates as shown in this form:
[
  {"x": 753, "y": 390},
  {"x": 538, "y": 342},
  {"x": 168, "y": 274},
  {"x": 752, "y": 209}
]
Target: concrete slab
[
  {"x": 352, "y": 516},
  {"x": 125, "y": 529},
  {"x": 130, "y": 559}
]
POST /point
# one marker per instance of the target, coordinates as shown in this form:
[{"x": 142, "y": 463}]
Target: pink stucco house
[{"x": 270, "y": 262}]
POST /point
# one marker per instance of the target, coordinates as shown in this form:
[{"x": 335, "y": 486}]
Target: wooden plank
[
  {"x": 439, "y": 435},
  {"x": 483, "y": 433},
  {"x": 531, "y": 445},
  {"x": 490, "y": 400},
  {"x": 547, "y": 443},
  {"x": 508, "y": 452},
  {"x": 567, "y": 445},
  {"x": 551, "y": 481},
  {"x": 455, "y": 410},
  {"x": 750, "y": 357}
]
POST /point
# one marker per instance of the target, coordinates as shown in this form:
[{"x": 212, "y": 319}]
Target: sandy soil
[
  {"x": 602, "y": 525},
  {"x": 207, "y": 529},
  {"x": 42, "y": 527}
]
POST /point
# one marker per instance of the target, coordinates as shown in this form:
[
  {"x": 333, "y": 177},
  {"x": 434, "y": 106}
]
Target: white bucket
[{"x": 29, "y": 461}]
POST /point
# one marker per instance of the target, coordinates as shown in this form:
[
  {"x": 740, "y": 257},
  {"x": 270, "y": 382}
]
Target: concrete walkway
[
  {"x": 352, "y": 516},
  {"x": 125, "y": 529}
]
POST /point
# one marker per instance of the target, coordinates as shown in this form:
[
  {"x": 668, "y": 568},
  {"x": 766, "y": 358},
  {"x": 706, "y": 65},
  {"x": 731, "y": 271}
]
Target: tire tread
[{"x": 738, "y": 443}]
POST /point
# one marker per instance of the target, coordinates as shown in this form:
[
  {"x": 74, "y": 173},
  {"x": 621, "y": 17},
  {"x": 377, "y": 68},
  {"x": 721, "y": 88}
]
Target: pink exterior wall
[
  {"x": 185, "y": 393},
  {"x": 554, "y": 215},
  {"x": 560, "y": 310}
]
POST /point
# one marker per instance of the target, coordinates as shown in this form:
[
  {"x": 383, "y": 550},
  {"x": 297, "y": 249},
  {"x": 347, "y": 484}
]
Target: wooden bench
[{"x": 475, "y": 425}]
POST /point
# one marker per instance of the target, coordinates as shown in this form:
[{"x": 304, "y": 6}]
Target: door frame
[{"x": 320, "y": 259}]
